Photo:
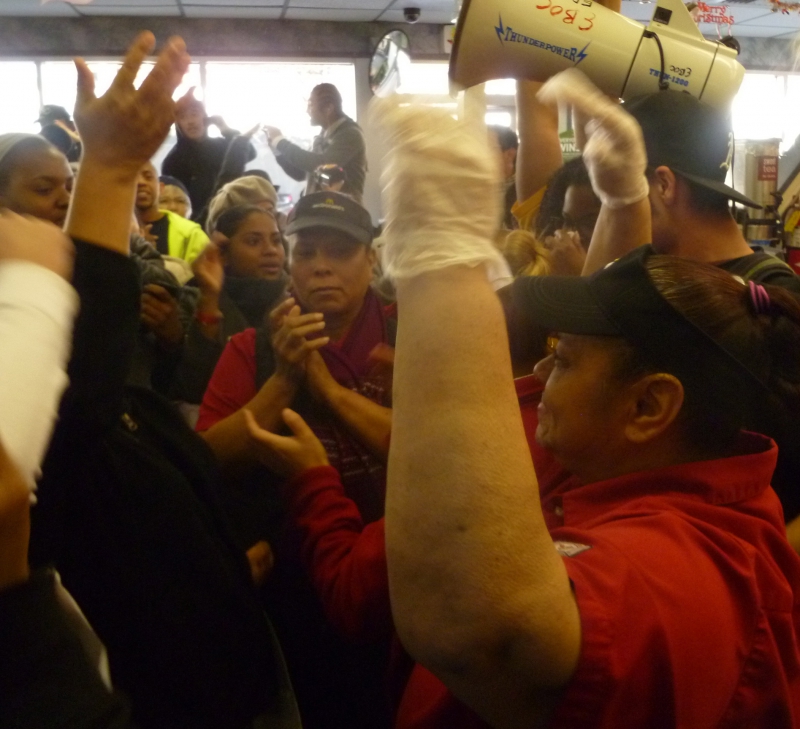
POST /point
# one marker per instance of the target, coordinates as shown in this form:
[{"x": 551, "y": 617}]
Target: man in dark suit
[{"x": 341, "y": 142}]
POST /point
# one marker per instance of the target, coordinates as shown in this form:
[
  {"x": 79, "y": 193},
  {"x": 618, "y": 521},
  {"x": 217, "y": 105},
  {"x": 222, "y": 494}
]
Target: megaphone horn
[{"x": 538, "y": 38}]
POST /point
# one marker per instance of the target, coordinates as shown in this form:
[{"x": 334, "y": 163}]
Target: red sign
[{"x": 767, "y": 169}]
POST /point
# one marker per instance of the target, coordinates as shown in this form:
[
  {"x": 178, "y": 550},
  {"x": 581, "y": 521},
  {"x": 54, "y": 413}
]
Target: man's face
[
  {"x": 192, "y": 122},
  {"x": 316, "y": 110},
  {"x": 175, "y": 200},
  {"x": 40, "y": 186},
  {"x": 147, "y": 188},
  {"x": 331, "y": 271},
  {"x": 581, "y": 414}
]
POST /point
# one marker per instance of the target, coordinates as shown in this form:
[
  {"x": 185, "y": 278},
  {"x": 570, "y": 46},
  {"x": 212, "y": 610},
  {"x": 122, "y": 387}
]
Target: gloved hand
[
  {"x": 614, "y": 150},
  {"x": 441, "y": 191}
]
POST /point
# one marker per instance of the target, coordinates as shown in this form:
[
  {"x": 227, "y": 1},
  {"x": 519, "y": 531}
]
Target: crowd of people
[{"x": 527, "y": 454}]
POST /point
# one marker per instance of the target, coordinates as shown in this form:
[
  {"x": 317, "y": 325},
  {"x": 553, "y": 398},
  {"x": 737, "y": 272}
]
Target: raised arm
[
  {"x": 539, "y": 153},
  {"x": 616, "y": 158},
  {"x": 479, "y": 594},
  {"x": 120, "y": 131}
]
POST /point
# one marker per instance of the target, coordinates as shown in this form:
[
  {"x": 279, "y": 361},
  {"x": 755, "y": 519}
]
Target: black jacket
[
  {"x": 128, "y": 513},
  {"x": 197, "y": 164},
  {"x": 46, "y": 680}
]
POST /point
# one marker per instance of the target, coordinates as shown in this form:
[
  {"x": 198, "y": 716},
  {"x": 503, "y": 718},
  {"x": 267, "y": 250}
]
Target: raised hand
[
  {"x": 121, "y": 131},
  {"x": 125, "y": 127},
  {"x": 614, "y": 149},
  {"x": 287, "y": 455},
  {"x": 35, "y": 241},
  {"x": 441, "y": 190},
  {"x": 208, "y": 268}
]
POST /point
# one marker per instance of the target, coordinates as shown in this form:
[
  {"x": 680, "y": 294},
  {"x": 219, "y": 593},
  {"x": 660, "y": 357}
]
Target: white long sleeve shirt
[{"x": 37, "y": 310}]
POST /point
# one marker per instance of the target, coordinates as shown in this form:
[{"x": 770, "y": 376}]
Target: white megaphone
[{"x": 535, "y": 39}]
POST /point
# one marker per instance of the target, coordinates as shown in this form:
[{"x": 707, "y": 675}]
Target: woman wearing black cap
[{"x": 655, "y": 587}]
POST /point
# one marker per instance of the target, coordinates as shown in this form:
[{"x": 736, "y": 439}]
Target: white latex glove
[
  {"x": 614, "y": 150},
  {"x": 440, "y": 191}
]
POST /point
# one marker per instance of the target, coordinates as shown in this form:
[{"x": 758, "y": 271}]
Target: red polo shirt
[
  {"x": 684, "y": 580},
  {"x": 688, "y": 596}
]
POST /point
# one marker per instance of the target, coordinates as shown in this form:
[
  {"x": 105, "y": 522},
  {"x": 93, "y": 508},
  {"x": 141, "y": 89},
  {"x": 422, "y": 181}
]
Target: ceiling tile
[
  {"x": 234, "y": 3},
  {"x": 427, "y": 16},
  {"x": 131, "y": 10},
  {"x": 350, "y": 4},
  {"x": 351, "y": 14},
  {"x": 773, "y": 20},
  {"x": 35, "y": 8},
  {"x": 128, "y": 3},
  {"x": 238, "y": 11}
]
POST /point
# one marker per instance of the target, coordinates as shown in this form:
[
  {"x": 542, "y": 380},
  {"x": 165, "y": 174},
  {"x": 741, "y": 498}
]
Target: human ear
[
  {"x": 656, "y": 401},
  {"x": 665, "y": 184}
]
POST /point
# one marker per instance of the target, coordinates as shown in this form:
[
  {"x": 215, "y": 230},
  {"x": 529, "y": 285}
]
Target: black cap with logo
[
  {"x": 690, "y": 137},
  {"x": 331, "y": 210}
]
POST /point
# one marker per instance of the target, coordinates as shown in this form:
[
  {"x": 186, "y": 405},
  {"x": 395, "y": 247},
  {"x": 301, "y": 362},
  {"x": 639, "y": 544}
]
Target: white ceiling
[{"x": 753, "y": 18}]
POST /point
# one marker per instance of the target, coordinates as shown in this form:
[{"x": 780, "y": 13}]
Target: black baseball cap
[
  {"x": 331, "y": 210},
  {"x": 52, "y": 113},
  {"x": 622, "y": 301},
  {"x": 690, "y": 137}
]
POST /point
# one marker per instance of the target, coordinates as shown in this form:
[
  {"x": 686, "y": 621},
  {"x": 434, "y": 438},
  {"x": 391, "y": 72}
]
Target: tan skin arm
[
  {"x": 539, "y": 152},
  {"x": 617, "y": 232},
  {"x": 229, "y": 438},
  {"x": 479, "y": 594},
  {"x": 370, "y": 423}
]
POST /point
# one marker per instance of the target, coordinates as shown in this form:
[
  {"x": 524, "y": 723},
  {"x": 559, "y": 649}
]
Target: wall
[{"x": 105, "y": 36}]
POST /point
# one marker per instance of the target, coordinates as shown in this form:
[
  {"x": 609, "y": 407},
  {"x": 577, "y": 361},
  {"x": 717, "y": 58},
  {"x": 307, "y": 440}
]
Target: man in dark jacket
[
  {"x": 196, "y": 159},
  {"x": 341, "y": 143}
]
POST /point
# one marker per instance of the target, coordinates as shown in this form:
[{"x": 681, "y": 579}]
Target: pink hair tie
[{"x": 760, "y": 298}]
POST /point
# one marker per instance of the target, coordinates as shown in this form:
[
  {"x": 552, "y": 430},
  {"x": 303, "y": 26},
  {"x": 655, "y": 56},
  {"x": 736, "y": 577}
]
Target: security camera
[{"x": 411, "y": 14}]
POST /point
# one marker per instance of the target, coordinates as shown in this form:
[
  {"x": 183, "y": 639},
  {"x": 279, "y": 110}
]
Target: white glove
[
  {"x": 614, "y": 150},
  {"x": 441, "y": 191}
]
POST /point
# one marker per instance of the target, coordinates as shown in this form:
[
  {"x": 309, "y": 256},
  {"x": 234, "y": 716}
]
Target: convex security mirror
[{"x": 388, "y": 62}]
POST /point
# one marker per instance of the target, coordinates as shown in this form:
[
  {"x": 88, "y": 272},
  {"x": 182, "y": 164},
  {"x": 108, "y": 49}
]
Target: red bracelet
[{"x": 209, "y": 319}]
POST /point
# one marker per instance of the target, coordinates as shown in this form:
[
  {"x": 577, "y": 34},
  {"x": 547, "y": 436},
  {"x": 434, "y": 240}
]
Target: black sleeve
[
  {"x": 345, "y": 144},
  {"x": 240, "y": 152},
  {"x": 169, "y": 166},
  {"x": 46, "y": 680},
  {"x": 109, "y": 288},
  {"x": 294, "y": 172}
]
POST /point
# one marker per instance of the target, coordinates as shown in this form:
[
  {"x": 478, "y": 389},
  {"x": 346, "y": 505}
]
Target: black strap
[{"x": 755, "y": 266}]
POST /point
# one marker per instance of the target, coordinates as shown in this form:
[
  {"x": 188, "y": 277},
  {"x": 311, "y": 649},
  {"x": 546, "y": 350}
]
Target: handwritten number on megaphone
[{"x": 570, "y": 16}]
